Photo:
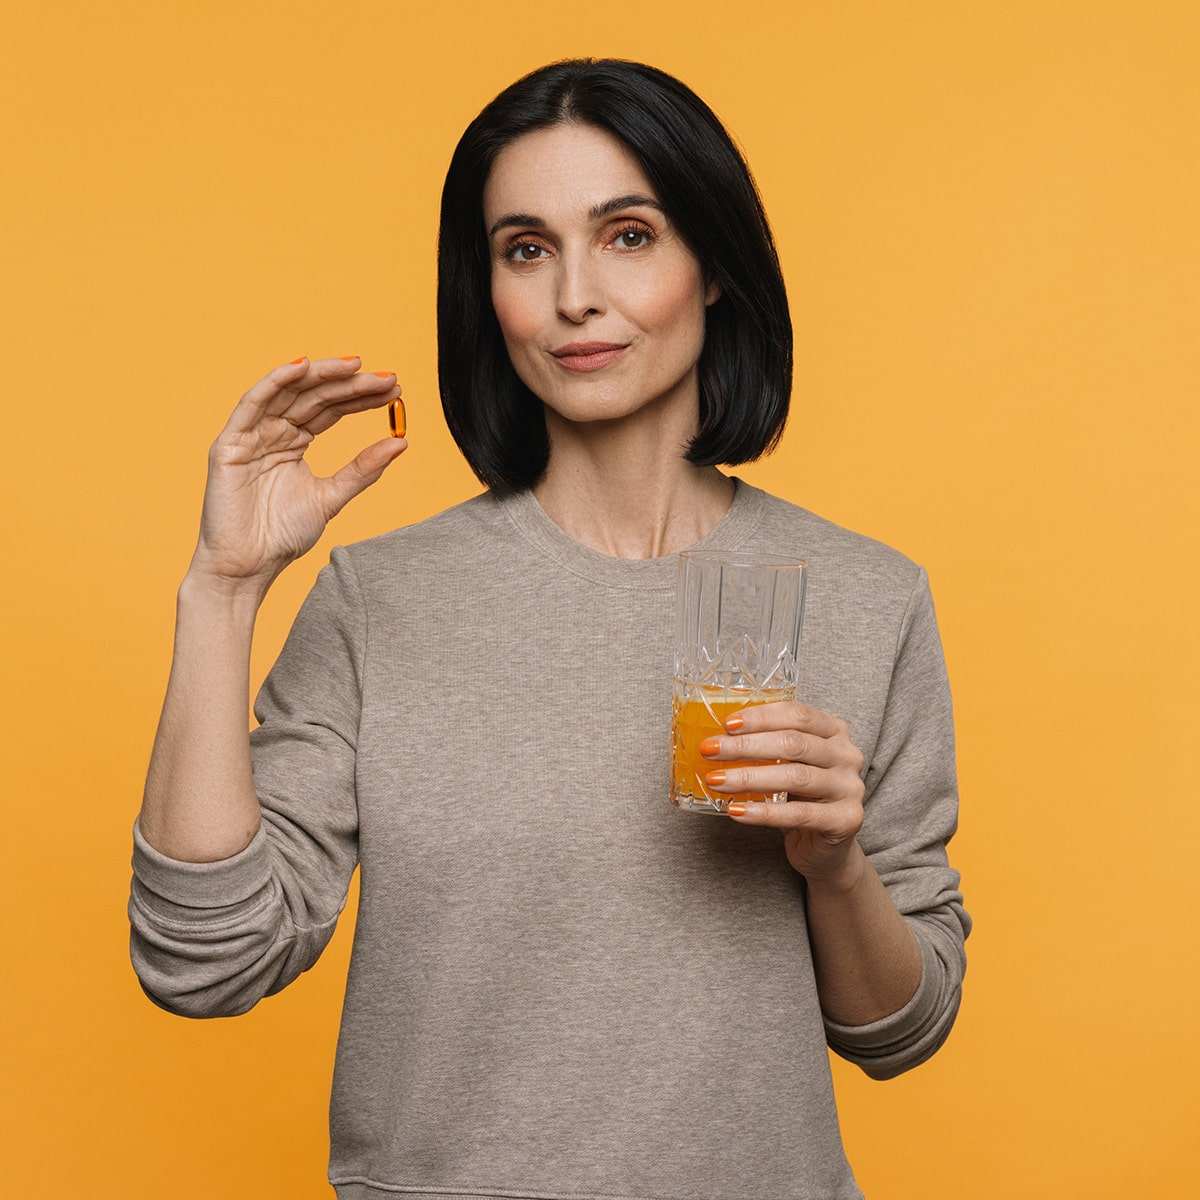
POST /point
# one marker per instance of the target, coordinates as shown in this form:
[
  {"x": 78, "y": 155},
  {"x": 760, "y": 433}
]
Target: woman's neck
[{"x": 635, "y": 510}]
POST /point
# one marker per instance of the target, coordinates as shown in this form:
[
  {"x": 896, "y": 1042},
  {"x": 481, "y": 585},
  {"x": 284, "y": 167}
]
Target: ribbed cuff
[
  {"x": 203, "y": 884},
  {"x": 905, "y": 1023}
]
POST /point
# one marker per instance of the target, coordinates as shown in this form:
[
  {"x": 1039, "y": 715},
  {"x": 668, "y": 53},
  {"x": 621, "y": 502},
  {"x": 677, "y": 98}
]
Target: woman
[{"x": 560, "y": 985}]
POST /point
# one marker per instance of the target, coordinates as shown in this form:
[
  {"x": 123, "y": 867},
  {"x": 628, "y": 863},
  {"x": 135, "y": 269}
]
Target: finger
[
  {"x": 787, "y": 714},
  {"x": 335, "y": 412},
  {"x": 359, "y": 473},
  {"x": 835, "y": 821},
  {"x": 781, "y": 743},
  {"x": 800, "y": 778},
  {"x": 275, "y": 392},
  {"x": 320, "y": 407}
]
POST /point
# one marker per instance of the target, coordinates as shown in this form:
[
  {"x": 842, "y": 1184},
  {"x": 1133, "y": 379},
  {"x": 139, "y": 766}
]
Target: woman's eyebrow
[{"x": 595, "y": 213}]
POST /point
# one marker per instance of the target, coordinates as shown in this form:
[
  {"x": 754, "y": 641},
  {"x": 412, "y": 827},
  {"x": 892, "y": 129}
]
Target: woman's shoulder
[
  {"x": 836, "y": 553},
  {"x": 441, "y": 536}
]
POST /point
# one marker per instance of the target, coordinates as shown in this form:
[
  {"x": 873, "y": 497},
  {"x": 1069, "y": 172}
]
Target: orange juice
[{"x": 699, "y": 712}]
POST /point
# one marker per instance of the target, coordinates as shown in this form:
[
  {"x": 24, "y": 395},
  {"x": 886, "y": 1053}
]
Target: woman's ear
[{"x": 712, "y": 288}]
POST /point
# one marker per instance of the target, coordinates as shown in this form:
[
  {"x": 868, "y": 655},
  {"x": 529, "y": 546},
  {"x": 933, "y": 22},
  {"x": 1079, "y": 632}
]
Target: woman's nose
[{"x": 580, "y": 291}]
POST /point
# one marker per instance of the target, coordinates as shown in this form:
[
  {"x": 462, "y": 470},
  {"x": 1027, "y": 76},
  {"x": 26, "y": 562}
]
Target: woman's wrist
[{"x": 848, "y": 877}]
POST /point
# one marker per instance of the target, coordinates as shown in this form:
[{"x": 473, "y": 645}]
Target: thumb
[{"x": 359, "y": 473}]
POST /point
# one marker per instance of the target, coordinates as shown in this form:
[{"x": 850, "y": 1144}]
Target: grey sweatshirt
[{"x": 561, "y": 986}]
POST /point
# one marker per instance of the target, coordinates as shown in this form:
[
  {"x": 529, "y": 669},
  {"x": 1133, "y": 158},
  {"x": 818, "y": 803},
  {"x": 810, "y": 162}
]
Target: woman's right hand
[{"x": 263, "y": 507}]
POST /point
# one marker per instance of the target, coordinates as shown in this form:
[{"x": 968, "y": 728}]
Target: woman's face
[{"x": 561, "y": 275}]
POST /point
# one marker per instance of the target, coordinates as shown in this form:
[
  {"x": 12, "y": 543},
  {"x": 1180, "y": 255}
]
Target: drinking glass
[{"x": 737, "y": 645}]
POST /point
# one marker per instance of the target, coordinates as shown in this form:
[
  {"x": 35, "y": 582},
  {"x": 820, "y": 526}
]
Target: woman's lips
[{"x": 590, "y": 362}]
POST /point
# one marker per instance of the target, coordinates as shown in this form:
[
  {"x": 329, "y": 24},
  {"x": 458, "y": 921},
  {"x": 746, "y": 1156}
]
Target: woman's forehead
[{"x": 562, "y": 171}]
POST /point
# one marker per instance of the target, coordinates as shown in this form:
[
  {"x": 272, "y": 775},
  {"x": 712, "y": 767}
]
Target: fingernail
[
  {"x": 383, "y": 373},
  {"x": 715, "y": 777},
  {"x": 710, "y": 745},
  {"x": 347, "y": 357},
  {"x": 300, "y": 359},
  {"x": 734, "y": 723},
  {"x": 735, "y": 808}
]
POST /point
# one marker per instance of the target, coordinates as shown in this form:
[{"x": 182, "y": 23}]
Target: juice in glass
[{"x": 699, "y": 711}]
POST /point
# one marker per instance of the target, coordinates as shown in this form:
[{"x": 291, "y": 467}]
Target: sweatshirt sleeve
[
  {"x": 211, "y": 939},
  {"x": 910, "y": 809}
]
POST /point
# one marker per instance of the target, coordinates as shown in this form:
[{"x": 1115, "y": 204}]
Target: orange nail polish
[
  {"x": 734, "y": 723},
  {"x": 715, "y": 777},
  {"x": 383, "y": 373},
  {"x": 736, "y": 808},
  {"x": 710, "y": 745},
  {"x": 347, "y": 357},
  {"x": 300, "y": 359}
]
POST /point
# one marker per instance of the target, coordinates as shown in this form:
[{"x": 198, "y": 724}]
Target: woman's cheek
[
  {"x": 662, "y": 298},
  {"x": 517, "y": 317}
]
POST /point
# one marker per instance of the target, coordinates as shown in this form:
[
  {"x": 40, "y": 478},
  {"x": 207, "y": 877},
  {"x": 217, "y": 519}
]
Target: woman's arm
[
  {"x": 199, "y": 803},
  {"x": 910, "y": 815},
  {"x": 212, "y": 936},
  {"x": 886, "y": 921},
  {"x": 865, "y": 956}
]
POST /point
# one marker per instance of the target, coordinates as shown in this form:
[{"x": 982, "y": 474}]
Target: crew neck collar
[{"x": 651, "y": 574}]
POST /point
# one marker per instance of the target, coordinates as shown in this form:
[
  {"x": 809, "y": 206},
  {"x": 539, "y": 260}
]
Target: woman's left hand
[{"x": 824, "y": 811}]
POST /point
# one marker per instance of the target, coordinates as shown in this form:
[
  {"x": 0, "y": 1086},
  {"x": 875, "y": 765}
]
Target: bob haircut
[{"x": 705, "y": 186}]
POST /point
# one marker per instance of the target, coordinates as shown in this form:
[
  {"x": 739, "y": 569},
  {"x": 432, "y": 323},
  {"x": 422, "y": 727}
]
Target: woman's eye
[
  {"x": 522, "y": 246},
  {"x": 639, "y": 231}
]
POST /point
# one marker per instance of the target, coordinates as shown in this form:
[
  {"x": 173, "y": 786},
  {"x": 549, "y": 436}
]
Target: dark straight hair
[{"x": 709, "y": 195}]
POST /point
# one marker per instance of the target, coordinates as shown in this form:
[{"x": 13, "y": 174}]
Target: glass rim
[{"x": 748, "y": 558}]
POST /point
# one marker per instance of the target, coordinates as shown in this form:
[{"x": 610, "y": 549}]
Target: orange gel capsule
[{"x": 397, "y": 418}]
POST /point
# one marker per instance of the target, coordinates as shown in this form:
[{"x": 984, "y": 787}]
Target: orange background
[{"x": 987, "y": 221}]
